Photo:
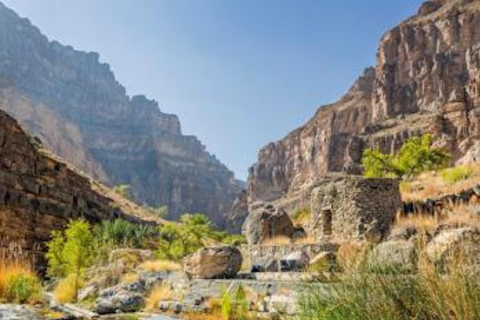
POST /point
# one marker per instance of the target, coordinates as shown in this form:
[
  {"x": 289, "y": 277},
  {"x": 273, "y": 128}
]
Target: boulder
[
  {"x": 214, "y": 263},
  {"x": 462, "y": 243},
  {"x": 121, "y": 298},
  {"x": 266, "y": 221},
  {"x": 395, "y": 255},
  {"x": 295, "y": 261}
]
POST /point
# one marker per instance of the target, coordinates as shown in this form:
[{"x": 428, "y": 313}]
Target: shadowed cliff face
[
  {"x": 427, "y": 79},
  {"x": 39, "y": 193},
  {"x": 75, "y": 105}
]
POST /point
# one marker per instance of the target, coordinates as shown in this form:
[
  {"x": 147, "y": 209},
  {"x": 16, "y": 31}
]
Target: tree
[
  {"x": 72, "y": 252},
  {"x": 415, "y": 156}
]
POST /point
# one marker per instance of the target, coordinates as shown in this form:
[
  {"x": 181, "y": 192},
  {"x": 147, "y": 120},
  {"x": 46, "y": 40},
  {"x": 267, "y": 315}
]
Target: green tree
[
  {"x": 415, "y": 156},
  {"x": 72, "y": 252}
]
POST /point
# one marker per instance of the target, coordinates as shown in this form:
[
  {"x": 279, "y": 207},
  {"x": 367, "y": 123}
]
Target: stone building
[{"x": 354, "y": 208}]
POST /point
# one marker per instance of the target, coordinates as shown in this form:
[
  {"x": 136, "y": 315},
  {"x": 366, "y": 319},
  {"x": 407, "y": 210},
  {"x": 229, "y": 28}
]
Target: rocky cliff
[
  {"x": 427, "y": 79},
  {"x": 40, "y": 193},
  {"x": 75, "y": 105}
]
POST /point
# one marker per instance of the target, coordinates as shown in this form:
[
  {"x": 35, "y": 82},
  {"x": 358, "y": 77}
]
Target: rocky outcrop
[
  {"x": 39, "y": 193},
  {"x": 73, "y": 102},
  {"x": 265, "y": 222},
  {"x": 426, "y": 80},
  {"x": 221, "y": 262}
]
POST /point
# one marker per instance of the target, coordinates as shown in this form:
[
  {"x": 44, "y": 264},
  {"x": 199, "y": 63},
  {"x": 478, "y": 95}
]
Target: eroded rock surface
[
  {"x": 39, "y": 193},
  {"x": 426, "y": 80},
  {"x": 221, "y": 262}
]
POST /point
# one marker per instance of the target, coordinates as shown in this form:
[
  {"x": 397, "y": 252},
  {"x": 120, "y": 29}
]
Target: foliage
[
  {"x": 71, "y": 252},
  {"x": 66, "y": 289},
  {"x": 426, "y": 295},
  {"x": 178, "y": 240},
  {"x": 120, "y": 232},
  {"x": 415, "y": 156},
  {"x": 18, "y": 281},
  {"x": 124, "y": 190},
  {"x": 235, "y": 307},
  {"x": 456, "y": 174},
  {"x": 21, "y": 287}
]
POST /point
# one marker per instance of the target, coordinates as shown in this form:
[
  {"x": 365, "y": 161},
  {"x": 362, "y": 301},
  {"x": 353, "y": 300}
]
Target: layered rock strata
[{"x": 426, "y": 80}]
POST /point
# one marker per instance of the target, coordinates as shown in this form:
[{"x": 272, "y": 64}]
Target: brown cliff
[
  {"x": 40, "y": 193},
  {"x": 427, "y": 79}
]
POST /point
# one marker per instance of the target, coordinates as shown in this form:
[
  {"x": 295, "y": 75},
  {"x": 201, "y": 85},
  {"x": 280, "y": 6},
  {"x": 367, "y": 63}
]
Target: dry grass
[
  {"x": 306, "y": 240},
  {"x": 279, "y": 240},
  {"x": 18, "y": 281},
  {"x": 431, "y": 185},
  {"x": 65, "y": 291},
  {"x": 351, "y": 255},
  {"x": 461, "y": 215},
  {"x": 159, "y": 293},
  {"x": 129, "y": 278},
  {"x": 160, "y": 265}
]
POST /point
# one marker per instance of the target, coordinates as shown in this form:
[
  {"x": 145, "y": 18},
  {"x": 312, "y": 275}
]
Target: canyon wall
[
  {"x": 40, "y": 193},
  {"x": 426, "y": 80},
  {"x": 75, "y": 105}
]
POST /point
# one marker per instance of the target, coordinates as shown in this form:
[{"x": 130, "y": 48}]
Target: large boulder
[
  {"x": 395, "y": 255},
  {"x": 121, "y": 298},
  {"x": 266, "y": 221},
  {"x": 462, "y": 243},
  {"x": 214, "y": 263}
]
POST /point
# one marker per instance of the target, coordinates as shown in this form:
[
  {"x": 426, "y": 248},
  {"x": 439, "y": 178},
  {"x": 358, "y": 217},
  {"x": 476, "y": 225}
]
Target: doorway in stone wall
[{"x": 327, "y": 222}]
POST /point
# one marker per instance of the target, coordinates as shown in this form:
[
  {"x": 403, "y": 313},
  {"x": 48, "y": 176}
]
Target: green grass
[{"x": 454, "y": 175}]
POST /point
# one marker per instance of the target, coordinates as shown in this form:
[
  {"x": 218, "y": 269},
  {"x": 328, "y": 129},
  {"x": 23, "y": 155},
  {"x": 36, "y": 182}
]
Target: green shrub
[
  {"x": 415, "y": 156},
  {"x": 235, "y": 307},
  {"x": 192, "y": 232},
  {"x": 22, "y": 287},
  {"x": 454, "y": 175},
  {"x": 122, "y": 233}
]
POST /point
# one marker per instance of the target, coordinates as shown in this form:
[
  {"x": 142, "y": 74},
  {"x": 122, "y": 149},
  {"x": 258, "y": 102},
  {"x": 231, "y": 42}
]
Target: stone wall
[
  {"x": 354, "y": 208},
  {"x": 39, "y": 193},
  {"x": 257, "y": 254}
]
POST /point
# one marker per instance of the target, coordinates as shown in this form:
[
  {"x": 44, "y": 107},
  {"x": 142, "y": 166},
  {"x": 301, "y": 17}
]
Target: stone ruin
[{"x": 354, "y": 208}]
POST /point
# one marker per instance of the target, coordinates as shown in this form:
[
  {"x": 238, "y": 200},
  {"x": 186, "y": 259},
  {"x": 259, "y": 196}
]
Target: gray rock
[
  {"x": 266, "y": 221},
  {"x": 18, "y": 312},
  {"x": 402, "y": 233},
  {"x": 214, "y": 263},
  {"x": 295, "y": 261},
  {"x": 463, "y": 243},
  {"x": 123, "y": 298},
  {"x": 395, "y": 255},
  {"x": 265, "y": 265}
]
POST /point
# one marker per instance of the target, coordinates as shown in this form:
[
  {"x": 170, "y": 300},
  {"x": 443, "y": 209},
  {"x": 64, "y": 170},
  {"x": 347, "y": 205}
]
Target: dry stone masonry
[{"x": 354, "y": 208}]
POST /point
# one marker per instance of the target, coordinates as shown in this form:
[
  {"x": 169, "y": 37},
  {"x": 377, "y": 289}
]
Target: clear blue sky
[{"x": 238, "y": 73}]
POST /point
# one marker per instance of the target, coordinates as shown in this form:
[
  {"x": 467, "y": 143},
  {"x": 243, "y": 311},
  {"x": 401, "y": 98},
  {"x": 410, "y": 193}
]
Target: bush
[
  {"x": 159, "y": 293},
  {"x": 122, "y": 233},
  {"x": 454, "y": 175},
  {"x": 415, "y": 156},
  {"x": 302, "y": 216},
  {"x": 235, "y": 306},
  {"x": 179, "y": 239},
  {"x": 22, "y": 287}
]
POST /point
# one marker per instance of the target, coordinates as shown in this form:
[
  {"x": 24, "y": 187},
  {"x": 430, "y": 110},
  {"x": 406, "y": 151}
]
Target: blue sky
[{"x": 238, "y": 73}]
